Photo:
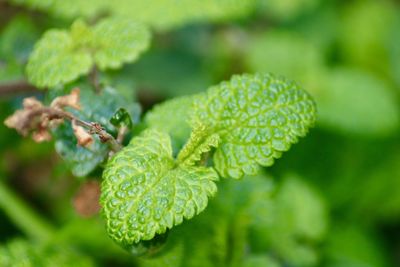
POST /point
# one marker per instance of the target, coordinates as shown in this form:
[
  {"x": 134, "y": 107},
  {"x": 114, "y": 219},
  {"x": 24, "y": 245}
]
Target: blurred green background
[{"x": 332, "y": 200}]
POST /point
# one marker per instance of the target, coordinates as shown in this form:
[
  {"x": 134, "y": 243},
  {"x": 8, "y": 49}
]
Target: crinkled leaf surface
[
  {"x": 257, "y": 118},
  {"x": 99, "y": 108},
  {"x": 199, "y": 143},
  {"x": 62, "y": 56},
  {"x": 144, "y": 192}
]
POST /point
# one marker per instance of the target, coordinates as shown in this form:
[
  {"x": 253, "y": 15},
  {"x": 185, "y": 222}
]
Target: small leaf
[
  {"x": 118, "y": 41},
  {"x": 55, "y": 60},
  {"x": 62, "y": 56},
  {"x": 199, "y": 143},
  {"x": 121, "y": 118},
  {"x": 257, "y": 118},
  {"x": 144, "y": 192}
]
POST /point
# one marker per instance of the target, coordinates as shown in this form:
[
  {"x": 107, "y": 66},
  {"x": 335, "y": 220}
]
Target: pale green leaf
[
  {"x": 55, "y": 60},
  {"x": 62, "y": 56},
  {"x": 118, "y": 41},
  {"x": 162, "y": 14},
  {"x": 257, "y": 118},
  {"x": 144, "y": 192},
  {"x": 172, "y": 117},
  {"x": 199, "y": 144}
]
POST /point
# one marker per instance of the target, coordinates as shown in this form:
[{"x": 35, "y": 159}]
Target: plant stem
[
  {"x": 23, "y": 216},
  {"x": 93, "y": 127},
  {"x": 94, "y": 79},
  {"x": 16, "y": 87}
]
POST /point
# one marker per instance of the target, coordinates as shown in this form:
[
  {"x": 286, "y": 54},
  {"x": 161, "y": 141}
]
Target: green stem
[{"x": 23, "y": 215}]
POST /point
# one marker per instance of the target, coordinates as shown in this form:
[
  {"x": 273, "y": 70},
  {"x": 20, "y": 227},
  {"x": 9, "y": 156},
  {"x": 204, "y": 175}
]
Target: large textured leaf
[
  {"x": 144, "y": 192},
  {"x": 21, "y": 253},
  {"x": 99, "y": 108},
  {"x": 62, "y": 56},
  {"x": 257, "y": 118}
]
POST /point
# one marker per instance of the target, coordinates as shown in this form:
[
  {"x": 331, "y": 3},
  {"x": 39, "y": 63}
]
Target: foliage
[{"x": 152, "y": 169}]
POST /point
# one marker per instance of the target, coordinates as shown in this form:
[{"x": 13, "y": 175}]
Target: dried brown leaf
[{"x": 83, "y": 137}]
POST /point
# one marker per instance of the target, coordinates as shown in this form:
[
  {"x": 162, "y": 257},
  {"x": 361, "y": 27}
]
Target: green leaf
[
  {"x": 144, "y": 192},
  {"x": 257, "y": 118},
  {"x": 118, "y": 41},
  {"x": 172, "y": 117},
  {"x": 199, "y": 144},
  {"x": 290, "y": 223},
  {"x": 56, "y": 61},
  {"x": 165, "y": 14},
  {"x": 21, "y": 253},
  {"x": 162, "y": 14},
  {"x": 62, "y": 56},
  {"x": 121, "y": 118},
  {"x": 357, "y": 103},
  {"x": 95, "y": 107}
]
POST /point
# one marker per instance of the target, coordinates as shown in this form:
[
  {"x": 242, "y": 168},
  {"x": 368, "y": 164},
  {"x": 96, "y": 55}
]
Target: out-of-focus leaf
[
  {"x": 162, "y": 14},
  {"x": 94, "y": 108},
  {"x": 17, "y": 39},
  {"x": 287, "y": 54},
  {"x": 352, "y": 246},
  {"x": 21, "y": 253},
  {"x": 368, "y": 48},
  {"x": 287, "y": 9},
  {"x": 260, "y": 261},
  {"x": 62, "y": 56},
  {"x": 290, "y": 223},
  {"x": 357, "y": 103}
]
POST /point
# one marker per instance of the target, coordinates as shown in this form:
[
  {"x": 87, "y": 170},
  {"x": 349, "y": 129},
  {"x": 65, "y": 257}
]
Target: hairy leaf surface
[
  {"x": 257, "y": 118},
  {"x": 144, "y": 192}
]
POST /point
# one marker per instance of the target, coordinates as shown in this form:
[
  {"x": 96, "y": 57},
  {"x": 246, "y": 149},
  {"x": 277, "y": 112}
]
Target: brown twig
[
  {"x": 37, "y": 118},
  {"x": 94, "y": 79},
  {"x": 16, "y": 87}
]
